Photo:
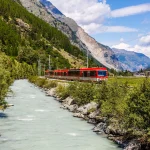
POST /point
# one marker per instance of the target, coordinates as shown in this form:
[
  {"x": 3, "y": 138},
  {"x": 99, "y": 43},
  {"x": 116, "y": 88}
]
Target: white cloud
[
  {"x": 122, "y": 40},
  {"x": 91, "y": 14},
  {"x": 94, "y": 28},
  {"x": 136, "y": 48},
  {"x": 145, "y": 40},
  {"x": 120, "y": 29},
  {"x": 132, "y": 10},
  {"x": 84, "y": 11},
  {"x": 146, "y": 21}
]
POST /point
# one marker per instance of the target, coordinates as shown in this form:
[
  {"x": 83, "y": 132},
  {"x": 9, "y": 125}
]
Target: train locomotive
[{"x": 83, "y": 74}]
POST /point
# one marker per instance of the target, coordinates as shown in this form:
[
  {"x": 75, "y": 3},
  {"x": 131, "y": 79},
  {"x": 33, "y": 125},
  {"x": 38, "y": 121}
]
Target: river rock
[
  {"x": 84, "y": 109},
  {"x": 51, "y": 92},
  {"x": 94, "y": 114},
  {"x": 92, "y": 121},
  {"x": 114, "y": 130},
  {"x": 133, "y": 145},
  {"x": 100, "y": 127},
  {"x": 78, "y": 115},
  {"x": 64, "y": 106},
  {"x": 100, "y": 119},
  {"x": 68, "y": 101},
  {"x": 73, "y": 108}
]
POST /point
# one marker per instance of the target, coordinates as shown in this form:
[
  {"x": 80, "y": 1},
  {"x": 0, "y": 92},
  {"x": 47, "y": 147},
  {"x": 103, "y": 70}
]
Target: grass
[
  {"x": 131, "y": 81},
  {"x": 75, "y": 62}
]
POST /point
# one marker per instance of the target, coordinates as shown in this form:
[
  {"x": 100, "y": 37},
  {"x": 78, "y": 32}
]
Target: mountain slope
[
  {"x": 132, "y": 61},
  {"x": 76, "y": 34},
  {"x": 28, "y": 38}
]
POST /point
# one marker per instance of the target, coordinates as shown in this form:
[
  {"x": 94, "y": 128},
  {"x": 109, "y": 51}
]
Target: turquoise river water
[{"x": 36, "y": 122}]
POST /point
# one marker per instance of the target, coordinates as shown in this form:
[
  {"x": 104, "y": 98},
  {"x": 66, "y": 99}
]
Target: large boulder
[
  {"x": 133, "y": 145},
  {"x": 100, "y": 127},
  {"x": 93, "y": 114},
  {"x": 114, "y": 130},
  {"x": 86, "y": 108},
  {"x": 23, "y": 25},
  {"x": 78, "y": 115},
  {"x": 72, "y": 108},
  {"x": 68, "y": 101},
  {"x": 51, "y": 92}
]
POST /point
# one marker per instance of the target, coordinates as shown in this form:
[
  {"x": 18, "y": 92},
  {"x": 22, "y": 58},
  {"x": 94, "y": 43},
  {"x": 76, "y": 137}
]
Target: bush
[
  {"x": 50, "y": 84},
  {"x": 41, "y": 82},
  {"x": 62, "y": 91},
  {"x": 82, "y": 93}
]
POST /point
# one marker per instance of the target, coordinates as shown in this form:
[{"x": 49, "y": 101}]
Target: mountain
[
  {"x": 48, "y": 12},
  {"x": 27, "y": 38},
  {"x": 132, "y": 61}
]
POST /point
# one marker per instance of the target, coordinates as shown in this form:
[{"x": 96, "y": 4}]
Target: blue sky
[
  {"x": 140, "y": 21},
  {"x": 123, "y": 24}
]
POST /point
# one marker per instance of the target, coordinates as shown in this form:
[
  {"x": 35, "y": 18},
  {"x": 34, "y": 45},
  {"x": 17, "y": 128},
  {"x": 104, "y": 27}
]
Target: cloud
[
  {"x": 145, "y": 40},
  {"x": 132, "y": 10},
  {"x": 94, "y": 28},
  {"x": 136, "y": 48},
  {"x": 91, "y": 14},
  {"x": 84, "y": 11},
  {"x": 122, "y": 46},
  {"x": 146, "y": 21},
  {"x": 122, "y": 40},
  {"x": 120, "y": 29}
]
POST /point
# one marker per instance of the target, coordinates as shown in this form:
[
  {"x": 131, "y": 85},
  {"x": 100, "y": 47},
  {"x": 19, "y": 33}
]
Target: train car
[{"x": 82, "y": 74}]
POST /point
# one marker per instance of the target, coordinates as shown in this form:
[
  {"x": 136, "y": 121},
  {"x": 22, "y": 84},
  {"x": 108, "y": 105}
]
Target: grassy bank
[{"x": 126, "y": 108}]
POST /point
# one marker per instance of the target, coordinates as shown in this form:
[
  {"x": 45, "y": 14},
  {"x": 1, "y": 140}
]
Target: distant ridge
[{"x": 132, "y": 61}]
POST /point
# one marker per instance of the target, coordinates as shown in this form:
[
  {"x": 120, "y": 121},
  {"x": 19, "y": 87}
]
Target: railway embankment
[{"x": 108, "y": 107}]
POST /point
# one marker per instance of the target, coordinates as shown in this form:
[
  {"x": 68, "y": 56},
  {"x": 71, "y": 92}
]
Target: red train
[{"x": 82, "y": 74}]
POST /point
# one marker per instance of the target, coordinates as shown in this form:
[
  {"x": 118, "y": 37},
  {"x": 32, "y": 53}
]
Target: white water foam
[
  {"x": 3, "y": 139},
  {"x": 32, "y": 96},
  {"x": 25, "y": 119},
  {"x": 30, "y": 116},
  {"x": 73, "y": 134},
  {"x": 41, "y": 110}
]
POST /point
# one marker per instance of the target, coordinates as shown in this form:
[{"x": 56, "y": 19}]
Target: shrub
[
  {"x": 62, "y": 91},
  {"x": 83, "y": 93},
  {"x": 41, "y": 82},
  {"x": 50, "y": 84}
]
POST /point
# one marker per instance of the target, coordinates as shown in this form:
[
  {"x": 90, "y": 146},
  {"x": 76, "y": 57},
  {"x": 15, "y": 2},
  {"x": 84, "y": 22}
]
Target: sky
[{"x": 122, "y": 24}]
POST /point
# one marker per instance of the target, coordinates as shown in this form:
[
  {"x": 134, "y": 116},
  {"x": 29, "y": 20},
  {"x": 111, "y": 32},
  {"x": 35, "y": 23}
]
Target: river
[{"x": 36, "y": 122}]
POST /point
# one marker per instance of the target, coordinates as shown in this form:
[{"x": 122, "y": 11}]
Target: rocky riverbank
[{"x": 91, "y": 113}]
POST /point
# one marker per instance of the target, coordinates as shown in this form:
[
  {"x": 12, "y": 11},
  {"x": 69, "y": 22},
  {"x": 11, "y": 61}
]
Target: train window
[
  {"x": 73, "y": 73},
  {"x": 85, "y": 74},
  {"x": 92, "y": 73},
  {"x": 102, "y": 73},
  {"x": 64, "y": 73},
  {"x": 51, "y": 73}
]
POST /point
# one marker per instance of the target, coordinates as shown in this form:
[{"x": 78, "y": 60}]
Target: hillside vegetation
[
  {"x": 29, "y": 38},
  {"x": 10, "y": 69}
]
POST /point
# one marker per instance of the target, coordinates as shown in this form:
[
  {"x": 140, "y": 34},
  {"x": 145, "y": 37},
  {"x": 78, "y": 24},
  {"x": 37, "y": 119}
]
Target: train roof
[
  {"x": 81, "y": 69},
  {"x": 61, "y": 70},
  {"x": 96, "y": 68}
]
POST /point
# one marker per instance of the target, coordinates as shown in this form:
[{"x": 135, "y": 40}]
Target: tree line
[{"x": 11, "y": 69}]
